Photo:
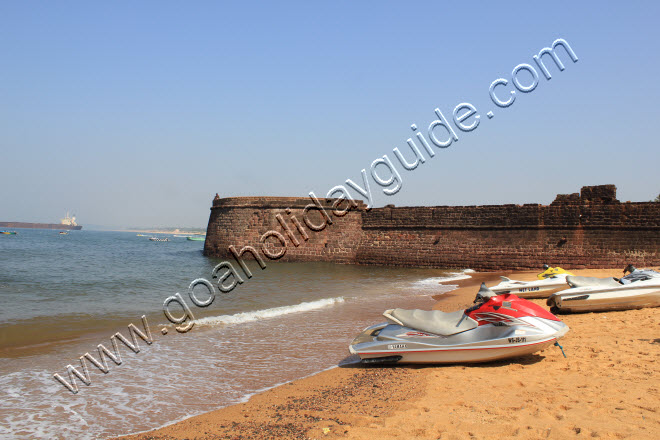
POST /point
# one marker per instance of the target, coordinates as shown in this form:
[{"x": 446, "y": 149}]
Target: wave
[
  {"x": 240, "y": 318},
  {"x": 452, "y": 276}
]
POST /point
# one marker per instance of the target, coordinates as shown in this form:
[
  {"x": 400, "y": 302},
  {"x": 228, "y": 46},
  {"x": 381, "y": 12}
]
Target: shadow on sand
[{"x": 353, "y": 361}]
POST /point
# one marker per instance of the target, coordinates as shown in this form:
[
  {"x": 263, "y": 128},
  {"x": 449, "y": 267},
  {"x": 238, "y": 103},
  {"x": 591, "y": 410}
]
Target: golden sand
[{"x": 607, "y": 388}]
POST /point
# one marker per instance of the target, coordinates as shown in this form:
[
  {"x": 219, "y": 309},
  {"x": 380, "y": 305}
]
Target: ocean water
[{"x": 63, "y": 295}]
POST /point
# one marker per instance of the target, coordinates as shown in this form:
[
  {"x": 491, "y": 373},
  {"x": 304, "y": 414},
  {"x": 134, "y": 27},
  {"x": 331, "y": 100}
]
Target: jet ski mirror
[
  {"x": 484, "y": 294},
  {"x": 629, "y": 268}
]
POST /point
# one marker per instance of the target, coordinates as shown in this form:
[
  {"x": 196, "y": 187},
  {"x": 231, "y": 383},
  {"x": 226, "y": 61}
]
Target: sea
[{"x": 62, "y": 296}]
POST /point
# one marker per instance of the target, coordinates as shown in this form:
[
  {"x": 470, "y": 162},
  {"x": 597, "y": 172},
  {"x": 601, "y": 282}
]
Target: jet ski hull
[{"x": 638, "y": 295}]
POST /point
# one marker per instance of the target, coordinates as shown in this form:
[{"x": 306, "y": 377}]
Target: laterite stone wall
[
  {"x": 242, "y": 221},
  {"x": 591, "y": 229}
]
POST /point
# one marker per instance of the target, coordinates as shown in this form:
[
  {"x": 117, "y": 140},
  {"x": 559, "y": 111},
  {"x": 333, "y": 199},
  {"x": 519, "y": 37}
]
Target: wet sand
[{"x": 607, "y": 388}]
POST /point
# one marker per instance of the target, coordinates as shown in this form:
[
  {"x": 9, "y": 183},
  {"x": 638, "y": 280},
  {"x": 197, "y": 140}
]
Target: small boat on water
[
  {"x": 180, "y": 236},
  {"x": 159, "y": 239},
  {"x": 197, "y": 238},
  {"x": 63, "y": 233},
  {"x": 637, "y": 290},
  {"x": 8, "y": 232},
  {"x": 141, "y": 235},
  {"x": 552, "y": 280}
]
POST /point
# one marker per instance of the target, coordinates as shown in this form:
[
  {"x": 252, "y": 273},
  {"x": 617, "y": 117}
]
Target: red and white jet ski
[{"x": 496, "y": 327}]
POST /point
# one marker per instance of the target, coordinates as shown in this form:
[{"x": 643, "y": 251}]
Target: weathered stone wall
[
  {"x": 591, "y": 229},
  {"x": 243, "y": 221}
]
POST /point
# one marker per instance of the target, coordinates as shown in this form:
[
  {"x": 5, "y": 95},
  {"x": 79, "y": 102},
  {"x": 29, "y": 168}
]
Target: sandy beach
[{"x": 606, "y": 388}]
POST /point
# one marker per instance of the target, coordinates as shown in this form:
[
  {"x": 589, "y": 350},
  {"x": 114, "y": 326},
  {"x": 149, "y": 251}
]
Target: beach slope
[{"x": 606, "y": 388}]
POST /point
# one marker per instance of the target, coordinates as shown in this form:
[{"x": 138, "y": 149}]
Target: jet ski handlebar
[{"x": 629, "y": 268}]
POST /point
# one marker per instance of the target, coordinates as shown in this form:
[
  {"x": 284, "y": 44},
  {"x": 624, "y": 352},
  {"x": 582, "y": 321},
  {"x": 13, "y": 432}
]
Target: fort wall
[
  {"x": 243, "y": 221},
  {"x": 590, "y": 229}
]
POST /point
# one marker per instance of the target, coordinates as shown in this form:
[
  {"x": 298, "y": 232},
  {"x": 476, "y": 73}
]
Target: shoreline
[{"x": 536, "y": 396}]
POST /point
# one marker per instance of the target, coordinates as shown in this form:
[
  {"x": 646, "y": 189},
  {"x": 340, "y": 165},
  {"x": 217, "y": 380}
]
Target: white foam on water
[
  {"x": 452, "y": 276},
  {"x": 243, "y": 317},
  {"x": 144, "y": 392}
]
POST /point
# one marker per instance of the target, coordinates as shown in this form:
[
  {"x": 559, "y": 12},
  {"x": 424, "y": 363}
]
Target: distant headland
[{"x": 67, "y": 223}]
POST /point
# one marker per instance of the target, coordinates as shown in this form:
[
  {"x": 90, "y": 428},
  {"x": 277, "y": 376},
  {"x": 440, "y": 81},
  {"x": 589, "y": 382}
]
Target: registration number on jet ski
[
  {"x": 528, "y": 289},
  {"x": 396, "y": 346},
  {"x": 517, "y": 340}
]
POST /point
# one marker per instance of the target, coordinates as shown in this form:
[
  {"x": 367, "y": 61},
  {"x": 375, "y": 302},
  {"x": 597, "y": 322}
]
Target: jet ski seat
[
  {"x": 575, "y": 281},
  {"x": 432, "y": 321},
  {"x": 639, "y": 275}
]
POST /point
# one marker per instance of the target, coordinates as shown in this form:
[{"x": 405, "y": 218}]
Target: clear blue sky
[{"x": 137, "y": 113}]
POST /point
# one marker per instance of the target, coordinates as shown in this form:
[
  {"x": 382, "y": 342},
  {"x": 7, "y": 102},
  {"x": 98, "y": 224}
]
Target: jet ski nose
[{"x": 562, "y": 330}]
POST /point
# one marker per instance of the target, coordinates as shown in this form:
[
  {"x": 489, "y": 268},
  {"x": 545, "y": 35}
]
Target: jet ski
[
  {"x": 496, "y": 327},
  {"x": 551, "y": 280},
  {"x": 549, "y": 272},
  {"x": 637, "y": 290}
]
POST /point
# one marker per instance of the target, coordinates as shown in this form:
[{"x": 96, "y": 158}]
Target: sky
[{"x": 135, "y": 114}]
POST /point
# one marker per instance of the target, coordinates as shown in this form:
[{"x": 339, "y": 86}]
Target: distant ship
[
  {"x": 71, "y": 222},
  {"x": 67, "y": 223}
]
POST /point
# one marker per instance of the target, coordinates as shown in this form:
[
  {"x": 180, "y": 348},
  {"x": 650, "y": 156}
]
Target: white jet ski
[
  {"x": 497, "y": 327},
  {"x": 639, "y": 289},
  {"x": 532, "y": 289}
]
